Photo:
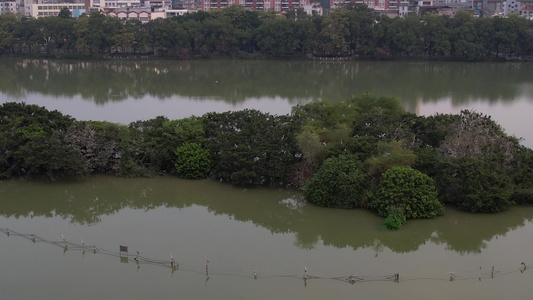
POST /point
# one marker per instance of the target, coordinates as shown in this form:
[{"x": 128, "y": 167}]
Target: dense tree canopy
[
  {"x": 342, "y": 154},
  {"x": 250, "y": 147},
  {"x": 234, "y": 31}
]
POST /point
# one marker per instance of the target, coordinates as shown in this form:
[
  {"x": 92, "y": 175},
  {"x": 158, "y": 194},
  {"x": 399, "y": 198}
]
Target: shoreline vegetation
[
  {"x": 364, "y": 152},
  {"x": 352, "y": 32}
]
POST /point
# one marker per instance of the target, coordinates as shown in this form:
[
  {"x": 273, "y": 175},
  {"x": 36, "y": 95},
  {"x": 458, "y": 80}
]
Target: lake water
[{"x": 271, "y": 231}]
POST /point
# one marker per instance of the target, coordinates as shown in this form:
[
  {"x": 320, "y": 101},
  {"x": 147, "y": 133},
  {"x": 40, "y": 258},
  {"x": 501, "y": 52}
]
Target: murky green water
[{"x": 269, "y": 230}]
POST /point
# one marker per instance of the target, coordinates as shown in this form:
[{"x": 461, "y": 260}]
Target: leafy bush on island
[
  {"x": 192, "y": 161},
  {"x": 340, "y": 182},
  {"x": 411, "y": 190},
  {"x": 361, "y": 152}
]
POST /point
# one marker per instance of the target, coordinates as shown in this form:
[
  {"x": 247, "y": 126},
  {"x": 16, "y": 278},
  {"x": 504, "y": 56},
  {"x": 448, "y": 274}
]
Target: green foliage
[
  {"x": 475, "y": 185},
  {"x": 340, "y": 182},
  {"x": 64, "y": 13},
  {"x": 389, "y": 155},
  {"x": 347, "y": 31},
  {"x": 252, "y": 148},
  {"x": 409, "y": 189},
  {"x": 383, "y": 118},
  {"x": 395, "y": 219},
  {"x": 427, "y": 159},
  {"x": 523, "y": 196},
  {"x": 8, "y": 25},
  {"x": 325, "y": 129},
  {"x": 431, "y": 131},
  {"x": 192, "y": 161},
  {"x": 158, "y": 138},
  {"x": 107, "y": 148},
  {"x": 32, "y": 143}
]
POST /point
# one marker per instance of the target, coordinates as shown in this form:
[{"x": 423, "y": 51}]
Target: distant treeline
[
  {"x": 234, "y": 31},
  {"x": 363, "y": 152}
]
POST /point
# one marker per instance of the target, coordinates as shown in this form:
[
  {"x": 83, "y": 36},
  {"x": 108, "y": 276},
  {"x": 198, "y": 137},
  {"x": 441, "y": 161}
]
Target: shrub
[
  {"x": 476, "y": 185},
  {"x": 192, "y": 161},
  {"x": 340, "y": 182},
  {"x": 409, "y": 189},
  {"x": 395, "y": 219}
]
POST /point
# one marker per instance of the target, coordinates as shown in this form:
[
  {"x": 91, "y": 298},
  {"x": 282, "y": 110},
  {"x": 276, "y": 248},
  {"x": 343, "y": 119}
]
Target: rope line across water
[{"x": 478, "y": 274}]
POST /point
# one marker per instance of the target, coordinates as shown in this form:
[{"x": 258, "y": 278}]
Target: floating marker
[{"x": 255, "y": 274}]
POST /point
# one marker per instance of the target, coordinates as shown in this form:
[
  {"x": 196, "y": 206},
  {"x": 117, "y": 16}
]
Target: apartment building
[
  {"x": 143, "y": 14},
  {"x": 526, "y": 9},
  {"x": 10, "y": 6},
  {"x": 275, "y": 5},
  {"x": 42, "y": 8}
]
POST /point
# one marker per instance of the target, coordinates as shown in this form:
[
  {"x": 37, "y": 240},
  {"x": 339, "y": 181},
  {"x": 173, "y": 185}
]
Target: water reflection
[
  {"x": 234, "y": 81},
  {"x": 280, "y": 211}
]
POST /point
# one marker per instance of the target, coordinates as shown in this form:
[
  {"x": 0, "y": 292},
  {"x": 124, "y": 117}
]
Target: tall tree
[
  {"x": 335, "y": 34},
  {"x": 8, "y": 23},
  {"x": 436, "y": 35}
]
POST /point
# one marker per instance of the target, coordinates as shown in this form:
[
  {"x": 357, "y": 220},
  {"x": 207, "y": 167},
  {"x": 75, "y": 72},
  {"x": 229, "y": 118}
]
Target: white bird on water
[{"x": 172, "y": 261}]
